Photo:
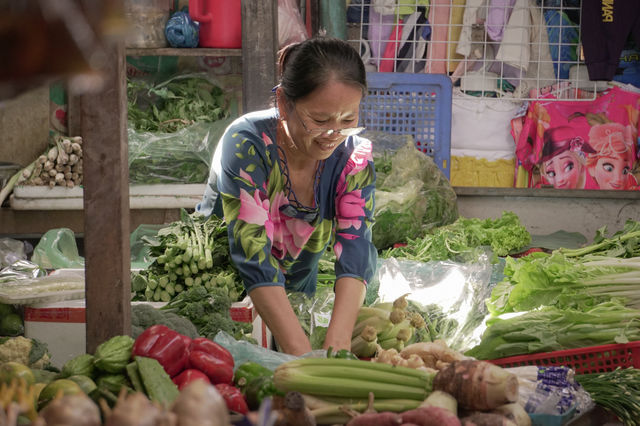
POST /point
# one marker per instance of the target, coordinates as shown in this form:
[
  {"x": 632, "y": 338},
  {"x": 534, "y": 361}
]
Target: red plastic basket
[{"x": 594, "y": 359}]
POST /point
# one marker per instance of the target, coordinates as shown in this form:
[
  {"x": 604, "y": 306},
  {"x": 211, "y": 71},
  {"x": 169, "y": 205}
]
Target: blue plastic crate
[{"x": 411, "y": 104}]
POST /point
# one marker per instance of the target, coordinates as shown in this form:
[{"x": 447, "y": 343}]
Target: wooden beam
[
  {"x": 259, "y": 53},
  {"x": 103, "y": 119}
]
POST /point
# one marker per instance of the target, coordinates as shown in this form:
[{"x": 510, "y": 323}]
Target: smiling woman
[{"x": 294, "y": 179}]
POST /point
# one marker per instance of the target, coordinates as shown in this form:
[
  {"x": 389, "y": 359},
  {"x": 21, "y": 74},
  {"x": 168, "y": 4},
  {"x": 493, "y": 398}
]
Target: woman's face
[
  {"x": 564, "y": 171},
  {"x": 612, "y": 173},
  {"x": 334, "y": 106}
]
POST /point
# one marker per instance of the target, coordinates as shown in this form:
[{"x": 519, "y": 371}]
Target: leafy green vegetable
[
  {"x": 624, "y": 243},
  {"x": 412, "y": 197},
  {"x": 463, "y": 239},
  {"x": 189, "y": 252},
  {"x": 209, "y": 311},
  {"x": 617, "y": 391},
  {"x": 550, "y": 328},
  {"x": 174, "y": 104}
]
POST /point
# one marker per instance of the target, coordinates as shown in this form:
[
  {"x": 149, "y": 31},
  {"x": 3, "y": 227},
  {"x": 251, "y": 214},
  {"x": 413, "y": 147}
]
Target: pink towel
[
  {"x": 437, "y": 47},
  {"x": 391, "y": 49}
]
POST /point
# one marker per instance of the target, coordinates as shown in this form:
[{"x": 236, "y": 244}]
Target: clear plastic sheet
[
  {"x": 414, "y": 197},
  {"x": 180, "y": 158},
  {"x": 314, "y": 313},
  {"x": 457, "y": 290}
]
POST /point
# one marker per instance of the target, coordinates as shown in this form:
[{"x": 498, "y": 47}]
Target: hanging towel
[{"x": 437, "y": 49}]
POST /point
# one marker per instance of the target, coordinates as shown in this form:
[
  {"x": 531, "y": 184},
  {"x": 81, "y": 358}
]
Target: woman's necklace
[{"x": 299, "y": 209}]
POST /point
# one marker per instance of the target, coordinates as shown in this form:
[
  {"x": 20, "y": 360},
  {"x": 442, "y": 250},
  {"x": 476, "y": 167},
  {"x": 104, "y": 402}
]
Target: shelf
[
  {"x": 546, "y": 193},
  {"x": 170, "y": 51}
]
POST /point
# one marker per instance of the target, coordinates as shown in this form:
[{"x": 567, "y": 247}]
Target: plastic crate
[
  {"x": 411, "y": 104},
  {"x": 594, "y": 359}
]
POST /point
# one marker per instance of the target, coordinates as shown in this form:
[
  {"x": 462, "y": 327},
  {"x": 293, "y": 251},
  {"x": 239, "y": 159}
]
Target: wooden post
[
  {"x": 259, "y": 53},
  {"x": 103, "y": 120}
]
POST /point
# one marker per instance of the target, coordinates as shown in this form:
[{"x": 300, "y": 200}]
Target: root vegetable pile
[{"x": 61, "y": 165}]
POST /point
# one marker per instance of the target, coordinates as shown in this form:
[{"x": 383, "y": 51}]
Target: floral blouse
[{"x": 273, "y": 247}]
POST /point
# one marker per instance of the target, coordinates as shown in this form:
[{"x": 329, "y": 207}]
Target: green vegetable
[
  {"x": 80, "y": 365},
  {"x": 192, "y": 251},
  {"x": 44, "y": 376},
  {"x": 134, "y": 377},
  {"x": 30, "y": 352},
  {"x": 248, "y": 371},
  {"x": 157, "y": 383},
  {"x": 618, "y": 391},
  {"x": 86, "y": 383},
  {"x": 113, "y": 355},
  {"x": 113, "y": 382},
  {"x": 176, "y": 103},
  {"x": 550, "y": 328},
  {"x": 464, "y": 239},
  {"x": 348, "y": 378},
  {"x": 412, "y": 199},
  {"x": 209, "y": 311},
  {"x": 624, "y": 243},
  {"x": 144, "y": 316},
  {"x": 556, "y": 280},
  {"x": 11, "y": 325}
]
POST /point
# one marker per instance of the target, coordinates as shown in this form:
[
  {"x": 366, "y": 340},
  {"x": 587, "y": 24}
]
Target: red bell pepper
[
  {"x": 209, "y": 346},
  {"x": 189, "y": 375},
  {"x": 217, "y": 370},
  {"x": 233, "y": 398},
  {"x": 163, "y": 344}
]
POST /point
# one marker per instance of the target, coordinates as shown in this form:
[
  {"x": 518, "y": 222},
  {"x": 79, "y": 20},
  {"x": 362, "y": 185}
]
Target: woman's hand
[
  {"x": 274, "y": 308},
  {"x": 350, "y": 294}
]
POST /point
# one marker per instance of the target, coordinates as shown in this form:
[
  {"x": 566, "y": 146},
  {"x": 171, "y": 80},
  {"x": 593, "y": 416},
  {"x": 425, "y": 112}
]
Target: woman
[{"x": 295, "y": 178}]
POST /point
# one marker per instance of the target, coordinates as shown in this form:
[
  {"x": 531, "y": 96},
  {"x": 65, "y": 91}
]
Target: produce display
[
  {"x": 190, "y": 252},
  {"x": 402, "y": 367},
  {"x": 567, "y": 299},
  {"x": 173, "y": 127}
]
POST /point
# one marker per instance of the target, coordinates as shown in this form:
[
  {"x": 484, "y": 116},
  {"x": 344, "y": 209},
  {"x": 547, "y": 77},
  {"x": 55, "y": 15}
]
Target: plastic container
[
  {"x": 147, "y": 19},
  {"x": 411, "y": 104},
  {"x": 220, "y": 22},
  {"x": 593, "y": 359}
]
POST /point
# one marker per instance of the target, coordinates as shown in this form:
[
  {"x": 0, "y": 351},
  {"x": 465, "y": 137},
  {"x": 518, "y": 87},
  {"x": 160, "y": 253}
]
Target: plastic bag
[
  {"x": 57, "y": 249},
  {"x": 244, "y": 351},
  {"x": 141, "y": 256},
  {"x": 180, "y": 158},
  {"x": 291, "y": 28},
  {"x": 453, "y": 292},
  {"x": 11, "y": 251},
  {"x": 314, "y": 313},
  {"x": 413, "y": 198}
]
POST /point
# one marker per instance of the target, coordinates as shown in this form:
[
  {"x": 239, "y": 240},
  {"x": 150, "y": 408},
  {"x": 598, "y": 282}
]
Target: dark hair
[{"x": 305, "y": 66}]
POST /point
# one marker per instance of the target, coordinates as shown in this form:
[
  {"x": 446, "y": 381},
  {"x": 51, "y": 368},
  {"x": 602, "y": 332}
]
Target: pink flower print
[
  {"x": 266, "y": 139},
  {"x": 349, "y": 209},
  {"x": 246, "y": 176},
  {"x": 337, "y": 247},
  {"x": 359, "y": 158},
  {"x": 254, "y": 210},
  {"x": 289, "y": 235},
  {"x": 337, "y": 250}
]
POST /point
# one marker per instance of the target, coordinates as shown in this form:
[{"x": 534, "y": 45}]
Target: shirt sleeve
[
  {"x": 356, "y": 256},
  {"x": 242, "y": 184}
]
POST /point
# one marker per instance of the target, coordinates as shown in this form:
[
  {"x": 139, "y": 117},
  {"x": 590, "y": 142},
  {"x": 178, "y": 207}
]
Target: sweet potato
[{"x": 430, "y": 416}]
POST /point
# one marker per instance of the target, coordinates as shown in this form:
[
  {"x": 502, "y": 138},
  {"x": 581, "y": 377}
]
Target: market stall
[{"x": 476, "y": 315}]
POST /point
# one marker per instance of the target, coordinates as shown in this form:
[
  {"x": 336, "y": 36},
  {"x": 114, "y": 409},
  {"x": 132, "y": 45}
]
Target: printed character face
[
  {"x": 564, "y": 171},
  {"x": 612, "y": 173},
  {"x": 322, "y": 120}
]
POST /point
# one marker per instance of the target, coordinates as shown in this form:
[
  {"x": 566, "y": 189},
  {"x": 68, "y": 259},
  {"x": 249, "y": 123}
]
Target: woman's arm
[
  {"x": 274, "y": 308},
  {"x": 350, "y": 294}
]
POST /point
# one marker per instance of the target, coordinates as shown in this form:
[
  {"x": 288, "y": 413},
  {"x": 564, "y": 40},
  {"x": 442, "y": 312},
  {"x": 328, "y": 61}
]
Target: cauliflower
[{"x": 29, "y": 352}]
